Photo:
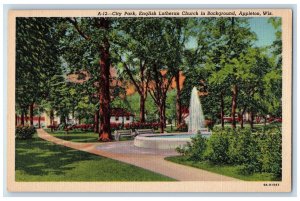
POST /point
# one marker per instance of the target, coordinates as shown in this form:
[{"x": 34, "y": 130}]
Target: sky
[{"x": 264, "y": 31}]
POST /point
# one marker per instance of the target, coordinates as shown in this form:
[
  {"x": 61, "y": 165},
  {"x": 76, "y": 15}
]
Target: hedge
[
  {"x": 253, "y": 152},
  {"x": 24, "y": 132}
]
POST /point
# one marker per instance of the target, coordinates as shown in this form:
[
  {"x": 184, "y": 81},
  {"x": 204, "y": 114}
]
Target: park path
[{"x": 152, "y": 160}]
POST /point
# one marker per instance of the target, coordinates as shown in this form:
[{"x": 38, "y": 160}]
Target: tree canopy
[{"x": 81, "y": 67}]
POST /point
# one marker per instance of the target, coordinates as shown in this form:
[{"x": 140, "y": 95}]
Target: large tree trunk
[
  {"x": 234, "y": 104},
  {"x": 96, "y": 122},
  {"x": 16, "y": 119},
  {"x": 222, "y": 110},
  {"x": 105, "y": 132},
  {"x": 31, "y": 114},
  {"x": 178, "y": 102}
]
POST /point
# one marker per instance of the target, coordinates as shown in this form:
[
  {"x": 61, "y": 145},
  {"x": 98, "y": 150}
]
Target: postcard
[{"x": 187, "y": 100}]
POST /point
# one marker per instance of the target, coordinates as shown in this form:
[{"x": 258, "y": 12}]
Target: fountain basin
[{"x": 165, "y": 141}]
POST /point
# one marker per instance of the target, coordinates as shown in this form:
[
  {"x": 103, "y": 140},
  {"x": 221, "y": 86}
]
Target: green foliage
[
  {"x": 171, "y": 105},
  {"x": 218, "y": 147},
  {"x": 228, "y": 57},
  {"x": 194, "y": 150},
  {"x": 24, "y": 132},
  {"x": 37, "y": 58},
  {"x": 244, "y": 150},
  {"x": 271, "y": 152},
  {"x": 213, "y": 53},
  {"x": 251, "y": 152}
]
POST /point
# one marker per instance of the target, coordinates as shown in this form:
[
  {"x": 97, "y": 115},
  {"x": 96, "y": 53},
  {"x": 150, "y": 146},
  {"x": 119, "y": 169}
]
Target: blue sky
[{"x": 264, "y": 31}]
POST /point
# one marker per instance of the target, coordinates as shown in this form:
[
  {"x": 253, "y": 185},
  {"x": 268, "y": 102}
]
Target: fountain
[
  {"x": 196, "y": 117},
  {"x": 196, "y": 124}
]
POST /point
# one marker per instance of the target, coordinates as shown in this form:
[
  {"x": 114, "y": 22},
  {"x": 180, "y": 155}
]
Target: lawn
[
  {"x": 75, "y": 135},
  {"x": 227, "y": 170},
  {"x": 79, "y": 136},
  {"x": 39, "y": 160}
]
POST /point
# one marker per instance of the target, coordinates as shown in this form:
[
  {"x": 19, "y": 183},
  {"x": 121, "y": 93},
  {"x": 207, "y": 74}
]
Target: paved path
[{"x": 149, "y": 159}]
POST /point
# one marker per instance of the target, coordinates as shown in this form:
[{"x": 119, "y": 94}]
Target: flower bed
[
  {"x": 115, "y": 126},
  {"x": 139, "y": 125}
]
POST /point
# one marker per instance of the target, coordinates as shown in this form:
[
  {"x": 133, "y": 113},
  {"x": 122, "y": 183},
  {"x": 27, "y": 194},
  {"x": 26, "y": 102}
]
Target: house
[{"x": 120, "y": 115}]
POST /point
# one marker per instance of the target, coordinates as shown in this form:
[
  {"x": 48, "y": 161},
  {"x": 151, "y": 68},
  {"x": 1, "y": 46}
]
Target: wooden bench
[
  {"x": 126, "y": 133},
  {"x": 144, "y": 131}
]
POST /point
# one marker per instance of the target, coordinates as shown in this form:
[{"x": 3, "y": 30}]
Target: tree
[
  {"x": 136, "y": 51},
  {"x": 163, "y": 61},
  {"x": 132, "y": 60},
  {"x": 181, "y": 35},
  {"x": 203, "y": 62},
  {"x": 96, "y": 33},
  {"x": 277, "y": 44},
  {"x": 37, "y": 55},
  {"x": 234, "y": 39}
]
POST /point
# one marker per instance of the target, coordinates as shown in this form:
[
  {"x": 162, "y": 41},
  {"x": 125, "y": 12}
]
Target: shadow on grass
[
  {"x": 39, "y": 160},
  {"x": 37, "y": 157}
]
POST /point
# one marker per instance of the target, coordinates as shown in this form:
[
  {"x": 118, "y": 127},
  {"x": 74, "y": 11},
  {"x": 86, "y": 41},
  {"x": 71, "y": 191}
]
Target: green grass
[
  {"x": 75, "y": 135},
  {"x": 173, "y": 130},
  {"x": 79, "y": 136},
  {"x": 247, "y": 125},
  {"x": 227, "y": 170},
  {"x": 39, "y": 160}
]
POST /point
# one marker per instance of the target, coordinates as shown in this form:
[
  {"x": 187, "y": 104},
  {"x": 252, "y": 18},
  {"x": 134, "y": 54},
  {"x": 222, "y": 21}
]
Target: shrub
[
  {"x": 244, "y": 150},
  {"x": 217, "y": 147},
  {"x": 253, "y": 152},
  {"x": 194, "y": 150},
  {"x": 271, "y": 152},
  {"x": 24, "y": 132}
]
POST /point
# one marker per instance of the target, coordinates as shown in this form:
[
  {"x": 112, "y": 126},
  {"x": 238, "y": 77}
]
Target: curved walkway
[{"x": 149, "y": 159}]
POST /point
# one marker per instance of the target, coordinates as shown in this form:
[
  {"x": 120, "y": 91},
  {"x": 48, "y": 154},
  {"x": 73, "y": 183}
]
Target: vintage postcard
[{"x": 194, "y": 100}]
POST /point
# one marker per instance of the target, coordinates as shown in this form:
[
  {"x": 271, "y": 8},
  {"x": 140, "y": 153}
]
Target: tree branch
[
  {"x": 131, "y": 78},
  {"x": 169, "y": 83},
  {"x": 153, "y": 97},
  {"x": 75, "y": 23}
]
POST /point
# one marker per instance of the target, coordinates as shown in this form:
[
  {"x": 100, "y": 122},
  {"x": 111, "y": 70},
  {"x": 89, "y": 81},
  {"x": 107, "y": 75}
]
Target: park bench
[
  {"x": 144, "y": 131},
  {"x": 126, "y": 133}
]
